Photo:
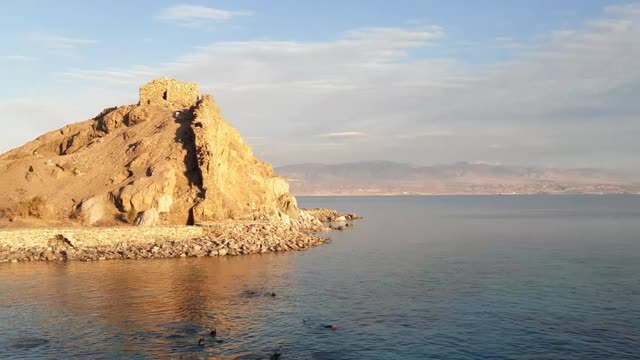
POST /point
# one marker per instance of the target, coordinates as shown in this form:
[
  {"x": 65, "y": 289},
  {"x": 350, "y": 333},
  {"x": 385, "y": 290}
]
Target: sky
[{"x": 538, "y": 83}]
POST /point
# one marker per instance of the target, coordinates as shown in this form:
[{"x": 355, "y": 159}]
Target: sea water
[{"x": 489, "y": 277}]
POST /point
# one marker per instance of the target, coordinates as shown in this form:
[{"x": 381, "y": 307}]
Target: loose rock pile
[{"x": 328, "y": 215}]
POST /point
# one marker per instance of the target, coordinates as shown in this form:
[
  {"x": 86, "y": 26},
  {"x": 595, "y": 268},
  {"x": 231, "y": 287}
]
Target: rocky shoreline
[
  {"x": 328, "y": 215},
  {"x": 218, "y": 239}
]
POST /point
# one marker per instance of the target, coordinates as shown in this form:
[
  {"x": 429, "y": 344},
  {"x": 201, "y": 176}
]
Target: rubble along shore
[
  {"x": 328, "y": 215},
  {"x": 229, "y": 238}
]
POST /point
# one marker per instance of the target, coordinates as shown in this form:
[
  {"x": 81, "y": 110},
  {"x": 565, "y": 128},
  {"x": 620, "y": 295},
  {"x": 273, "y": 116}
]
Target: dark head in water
[
  {"x": 273, "y": 294},
  {"x": 213, "y": 332},
  {"x": 276, "y": 354},
  {"x": 201, "y": 341}
]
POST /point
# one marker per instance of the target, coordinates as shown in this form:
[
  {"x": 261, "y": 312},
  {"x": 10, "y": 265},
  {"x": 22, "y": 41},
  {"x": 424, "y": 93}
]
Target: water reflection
[
  {"x": 418, "y": 278},
  {"x": 160, "y": 308}
]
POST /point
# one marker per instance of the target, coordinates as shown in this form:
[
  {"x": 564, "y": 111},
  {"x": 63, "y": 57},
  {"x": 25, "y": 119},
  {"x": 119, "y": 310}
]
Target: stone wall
[
  {"x": 86, "y": 237},
  {"x": 214, "y": 239},
  {"x": 180, "y": 94}
]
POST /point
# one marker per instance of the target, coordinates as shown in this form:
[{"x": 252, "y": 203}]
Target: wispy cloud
[
  {"x": 346, "y": 64},
  {"x": 133, "y": 76},
  {"x": 347, "y": 134},
  {"x": 506, "y": 43},
  {"x": 415, "y": 36},
  {"x": 553, "y": 98},
  {"x": 18, "y": 58},
  {"x": 624, "y": 9},
  {"x": 431, "y": 133},
  {"x": 58, "y": 42},
  {"x": 197, "y": 15}
]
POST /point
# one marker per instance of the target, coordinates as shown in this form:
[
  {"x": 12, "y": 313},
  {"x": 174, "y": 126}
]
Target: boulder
[
  {"x": 141, "y": 113},
  {"x": 288, "y": 205},
  {"x": 148, "y": 218},
  {"x": 154, "y": 191},
  {"x": 91, "y": 210},
  {"x": 113, "y": 119}
]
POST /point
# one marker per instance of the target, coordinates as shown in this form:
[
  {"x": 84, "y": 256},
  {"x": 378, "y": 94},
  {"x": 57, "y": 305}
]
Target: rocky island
[{"x": 167, "y": 177}]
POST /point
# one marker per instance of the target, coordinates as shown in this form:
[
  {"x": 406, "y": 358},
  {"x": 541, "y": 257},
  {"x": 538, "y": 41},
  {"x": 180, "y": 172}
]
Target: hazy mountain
[{"x": 385, "y": 178}]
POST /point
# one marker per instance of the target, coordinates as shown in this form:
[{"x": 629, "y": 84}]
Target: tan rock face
[
  {"x": 235, "y": 184},
  {"x": 173, "y": 154}
]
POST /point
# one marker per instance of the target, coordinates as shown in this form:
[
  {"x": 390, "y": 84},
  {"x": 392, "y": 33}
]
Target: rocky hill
[
  {"x": 170, "y": 159},
  {"x": 389, "y": 178}
]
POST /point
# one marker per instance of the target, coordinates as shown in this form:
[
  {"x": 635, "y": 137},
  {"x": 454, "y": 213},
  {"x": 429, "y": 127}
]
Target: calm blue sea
[{"x": 495, "y": 277}]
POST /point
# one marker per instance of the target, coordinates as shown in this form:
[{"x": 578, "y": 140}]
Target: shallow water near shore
[{"x": 491, "y": 277}]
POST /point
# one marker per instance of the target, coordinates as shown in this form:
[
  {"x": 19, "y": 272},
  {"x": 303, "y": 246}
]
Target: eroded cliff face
[
  {"x": 234, "y": 183},
  {"x": 158, "y": 162}
]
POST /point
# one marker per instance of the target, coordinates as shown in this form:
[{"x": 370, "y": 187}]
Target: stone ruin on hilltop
[{"x": 179, "y": 94}]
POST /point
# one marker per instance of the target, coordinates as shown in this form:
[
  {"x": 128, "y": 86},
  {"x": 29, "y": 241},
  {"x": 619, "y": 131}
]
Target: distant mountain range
[{"x": 391, "y": 178}]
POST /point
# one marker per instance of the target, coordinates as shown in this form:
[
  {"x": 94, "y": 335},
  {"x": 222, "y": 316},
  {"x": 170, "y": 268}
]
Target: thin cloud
[
  {"x": 134, "y": 76},
  {"x": 197, "y": 15},
  {"x": 406, "y": 36},
  {"x": 553, "y": 95},
  {"x": 341, "y": 65},
  {"x": 420, "y": 134},
  {"x": 19, "y": 58},
  {"x": 58, "y": 42},
  {"x": 347, "y": 134}
]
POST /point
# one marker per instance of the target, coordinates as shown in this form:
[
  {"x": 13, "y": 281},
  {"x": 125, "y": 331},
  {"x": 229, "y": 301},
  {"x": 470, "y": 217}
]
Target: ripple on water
[{"x": 28, "y": 343}]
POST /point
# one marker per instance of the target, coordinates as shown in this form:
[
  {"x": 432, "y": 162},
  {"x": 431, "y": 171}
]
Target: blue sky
[{"x": 547, "y": 83}]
